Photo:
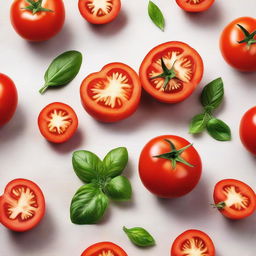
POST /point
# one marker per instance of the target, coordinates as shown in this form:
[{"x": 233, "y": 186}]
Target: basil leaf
[
  {"x": 198, "y": 123},
  {"x": 139, "y": 236},
  {"x": 62, "y": 70},
  {"x": 88, "y": 205},
  {"x": 212, "y": 94},
  {"x": 119, "y": 189},
  {"x": 156, "y": 15},
  {"x": 219, "y": 130},
  {"x": 87, "y": 165},
  {"x": 115, "y": 162}
]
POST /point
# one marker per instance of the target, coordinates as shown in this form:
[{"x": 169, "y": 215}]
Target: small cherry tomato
[
  {"x": 104, "y": 249},
  {"x": 22, "y": 206},
  {"x": 234, "y": 199},
  {"x": 195, "y": 5},
  {"x": 8, "y": 99},
  {"x": 57, "y": 122},
  {"x": 238, "y": 44},
  {"x": 37, "y": 20},
  {"x": 171, "y": 71},
  {"x": 169, "y": 166},
  {"x": 112, "y": 94},
  {"x": 193, "y": 243},
  {"x": 99, "y": 12}
]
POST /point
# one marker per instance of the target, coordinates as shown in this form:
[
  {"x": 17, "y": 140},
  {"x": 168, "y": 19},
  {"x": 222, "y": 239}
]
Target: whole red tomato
[
  {"x": 8, "y": 99},
  {"x": 37, "y": 20},
  {"x": 238, "y": 44},
  {"x": 169, "y": 166}
]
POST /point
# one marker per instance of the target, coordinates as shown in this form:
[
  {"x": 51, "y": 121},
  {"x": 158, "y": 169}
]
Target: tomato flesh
[{"x": 195, "y": 5}]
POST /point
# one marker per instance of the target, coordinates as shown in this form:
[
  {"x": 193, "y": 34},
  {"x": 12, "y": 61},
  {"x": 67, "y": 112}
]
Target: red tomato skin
[
  {"x": 157, "y": 174},
  {"x": 40, "y": 26},
  {"x": 17, "y": 225},
  {"x": 177, "y": 244},
  {"x": 228, "y": 212},
  {"x": 8, "y": 99},
  {"x": 235, "y": 54},
  {"x": 96, "y": 248},
  {"x": 203, "y": 6}
]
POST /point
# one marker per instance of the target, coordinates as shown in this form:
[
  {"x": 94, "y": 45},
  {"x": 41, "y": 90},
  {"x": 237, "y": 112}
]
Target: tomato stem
[
  {"x": 43, "y": 89},
  {"x": 249, "y": 37},
  {"x": 219, "y": 206},
  {"x": 36, "y": 6}
]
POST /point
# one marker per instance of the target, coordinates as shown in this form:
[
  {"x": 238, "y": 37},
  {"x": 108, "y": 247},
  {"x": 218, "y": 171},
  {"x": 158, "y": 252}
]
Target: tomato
[
  {"x": 248, "y": 130},
  {"x": 171, "y": 71},
  {"x": 22, "y": 206},
  {"x": 99, "y": 12},
  {"x": 57, "y": 122},
  {"x": 238, "y": 44},
  {"x": 195, "y": 5},
  {"x": 36, "y": 20},
  {"x": 8, "y": 99},
  {"x": 234, "y": 199},
  {"x": 169, "y": 166},
  {"x": 112, "y": 94},
  {"x": 193, "y": 242},
  {"x": 104, "y": 249}
]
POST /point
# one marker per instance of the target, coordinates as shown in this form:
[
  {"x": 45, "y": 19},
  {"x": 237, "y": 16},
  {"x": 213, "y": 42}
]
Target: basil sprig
[
  {"x": 156, "y": 15},
  {"x": 104, "y": 182},
  {"x": 211, "y": 98},
  {"x": 62, "y": 70}
]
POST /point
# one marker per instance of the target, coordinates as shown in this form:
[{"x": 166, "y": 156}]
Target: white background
[{"x": 25, "y": 154}]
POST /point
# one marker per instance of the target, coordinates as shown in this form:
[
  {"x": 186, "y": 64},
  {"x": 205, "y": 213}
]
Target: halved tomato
[
  {"x": 112, "y": 94},
  {"x": 57, "y": 122},
  {"x": 171, "y": 71},
  {"x": 234, "y": 199},
  {"x": 99, "y": 11},
  {"x": 104, "y": 249},
  {"x": 195, "y": 5},
  {"x": 193, "y": 243},
  {"x": 22, "y": 206}
]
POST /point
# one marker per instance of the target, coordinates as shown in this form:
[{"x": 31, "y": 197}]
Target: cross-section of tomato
[
  {"x": 22, "y": 206},
  {"x": 99, "y": 11},
  {"x": 171, "y": 71},
  {"x": 195, "y": 5},
  {"x": 234, "y": 199},
  {"x": 57, "y": 122},
  {"x": 112, "y": 94},
  {"x": 193, "y": 243}
]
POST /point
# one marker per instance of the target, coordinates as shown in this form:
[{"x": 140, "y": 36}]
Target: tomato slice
[
  {"x": 171, "y": 71},
  {"x": 234, "y": 199},
  {"x": 193, "y": 243},
  {"x": 22, "y": 206},
  {"x": 195, "y": 5},
  {"x": 57, "y": 122},
  {"x": 112, "y": 94},
  {"x": 104, "y": 249},
  {"x": 99, "y": 11}
]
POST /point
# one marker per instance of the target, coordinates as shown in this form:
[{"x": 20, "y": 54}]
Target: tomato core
[
  {"x": 99, "y": 7},
  {"x": 194, "y": 247}
]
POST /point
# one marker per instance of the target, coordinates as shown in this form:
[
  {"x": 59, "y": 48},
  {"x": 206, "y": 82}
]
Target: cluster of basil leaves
[{"x": 104, "y": 182}]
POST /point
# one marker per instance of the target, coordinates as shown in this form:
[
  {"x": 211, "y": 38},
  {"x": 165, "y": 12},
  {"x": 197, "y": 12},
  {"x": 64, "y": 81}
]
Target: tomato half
[
  {"x": 234, "y": 199},
  {"x": 195, "y": 5},
  {"x": 104, "y": 249},
  {"x": 22, "y": 206},
  {"x": 37, "y": 20},
  {"x": 8, "y": 99},
  {"x": 193, "y": 243},
  {"x": 99, "y": 12},
  {"x": 171, "y": 71},
  {"x": 57, "y": 122},
  {"x": 112, "y": 94},
  {"x": 238, "y": 44},
  {"x": 169, "y": 166}
]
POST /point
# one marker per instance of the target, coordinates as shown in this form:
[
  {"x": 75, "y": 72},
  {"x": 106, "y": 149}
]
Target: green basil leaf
[
  {"x": 88, "y": 205},
  {"x": 219, "y": 130},
  {"x": 119, "y": 189},
  {"x": 139, "y": 236},
  {"x": 115, "y": 162},
  {"x": 87, "y": 165},
  {"x": 198, "y": 123},
  {"x": 156, "y": 15},
  {"x": 212, "y": 94},
  {"x": 62, "y": 70}
]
